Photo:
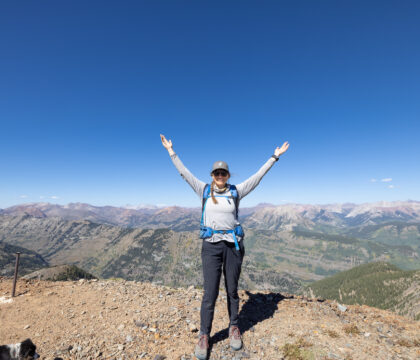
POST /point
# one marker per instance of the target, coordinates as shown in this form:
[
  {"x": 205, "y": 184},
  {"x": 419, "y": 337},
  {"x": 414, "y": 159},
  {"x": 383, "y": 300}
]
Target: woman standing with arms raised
[{"x": 222, "y": 248}]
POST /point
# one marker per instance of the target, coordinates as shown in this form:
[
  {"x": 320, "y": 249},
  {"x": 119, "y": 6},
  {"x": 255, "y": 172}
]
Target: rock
[
  {"x": 139, "y": 323},
  {"x": 193, "y": 328},
  {"x": 342, "y": 308},
  {"x": 26, "y": 327},
  {"x": 334, "y": 356},
  {"x": 159, "y": 357}
]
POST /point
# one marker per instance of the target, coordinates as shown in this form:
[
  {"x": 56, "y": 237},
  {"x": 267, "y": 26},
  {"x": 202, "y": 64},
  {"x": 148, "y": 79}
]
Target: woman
[{"x": 222, "y": 248}]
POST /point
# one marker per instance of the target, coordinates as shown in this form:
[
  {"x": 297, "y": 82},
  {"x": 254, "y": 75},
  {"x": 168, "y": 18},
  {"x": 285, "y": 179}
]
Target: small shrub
[
  {"x": 292, "y": 352},
  {"x": 302, "y": 343},
  {"x": 332, "y": 333},
  {"x": 404, "y": 342},
  {"x": 297, "y": 350},
  {"x": 73, "y": 273},
  {"x": 351, "y": 329}
]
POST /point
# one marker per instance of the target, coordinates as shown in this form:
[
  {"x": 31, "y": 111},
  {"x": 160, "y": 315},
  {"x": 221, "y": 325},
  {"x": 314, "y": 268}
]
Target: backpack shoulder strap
[
  {"x": 234, "y": 193},
  {"x": 206, "y": 193}
]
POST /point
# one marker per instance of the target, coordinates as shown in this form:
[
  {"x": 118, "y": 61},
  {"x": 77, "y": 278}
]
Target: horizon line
[{"x": 163, "y": 206}]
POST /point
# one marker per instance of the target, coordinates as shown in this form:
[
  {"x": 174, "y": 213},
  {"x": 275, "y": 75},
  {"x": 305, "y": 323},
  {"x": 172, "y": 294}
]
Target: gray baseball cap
[{"x": 220, "y": 165}]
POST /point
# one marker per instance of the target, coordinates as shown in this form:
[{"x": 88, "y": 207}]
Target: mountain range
[
  {"x": 263, "y": 216},
  {"x": 286, "y": 245}
]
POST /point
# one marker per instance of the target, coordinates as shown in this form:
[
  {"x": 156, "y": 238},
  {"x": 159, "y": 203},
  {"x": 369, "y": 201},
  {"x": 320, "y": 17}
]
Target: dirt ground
[{"x": 112, "y": 319}]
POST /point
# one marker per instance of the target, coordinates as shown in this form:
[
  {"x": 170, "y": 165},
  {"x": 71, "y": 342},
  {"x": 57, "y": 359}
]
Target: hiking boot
[
  {"x": 202, "y": 347},
  {"x": 235, "y": 338}
]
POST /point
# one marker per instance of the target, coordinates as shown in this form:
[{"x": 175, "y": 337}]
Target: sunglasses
[{"x": 220, "y": 173}]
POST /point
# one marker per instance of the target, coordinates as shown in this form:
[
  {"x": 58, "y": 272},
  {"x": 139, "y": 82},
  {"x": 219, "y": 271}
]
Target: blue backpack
[{"x": 205, "y": 231}]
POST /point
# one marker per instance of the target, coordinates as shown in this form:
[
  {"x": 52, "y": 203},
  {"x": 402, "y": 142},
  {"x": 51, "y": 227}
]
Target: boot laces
[
  {"x": 203, "y": 341},
  {"x": 235, "y": 333}
]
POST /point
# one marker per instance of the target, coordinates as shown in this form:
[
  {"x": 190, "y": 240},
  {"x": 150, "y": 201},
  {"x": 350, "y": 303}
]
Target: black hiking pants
[{"x": 216, "y": 257}]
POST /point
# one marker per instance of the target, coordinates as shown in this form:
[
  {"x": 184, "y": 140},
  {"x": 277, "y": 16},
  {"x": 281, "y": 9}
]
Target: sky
[{"x": 86, "y": 87}]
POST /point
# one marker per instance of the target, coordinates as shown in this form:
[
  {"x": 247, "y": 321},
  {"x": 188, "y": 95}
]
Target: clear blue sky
[{"x": 87, "y": 86}]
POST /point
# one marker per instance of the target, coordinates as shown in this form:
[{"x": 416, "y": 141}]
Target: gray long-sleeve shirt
[{"x": 221, "y": 216}]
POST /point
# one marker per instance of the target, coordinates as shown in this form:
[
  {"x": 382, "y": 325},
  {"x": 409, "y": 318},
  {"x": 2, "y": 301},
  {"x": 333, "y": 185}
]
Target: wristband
[{"x": 275, "y": 157}]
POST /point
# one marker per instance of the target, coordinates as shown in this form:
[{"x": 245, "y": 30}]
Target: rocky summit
[{"x": 118, "y": 319}]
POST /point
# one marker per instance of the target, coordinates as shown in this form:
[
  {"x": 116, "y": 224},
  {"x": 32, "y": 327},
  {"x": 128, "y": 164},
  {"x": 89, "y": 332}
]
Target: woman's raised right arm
[{"x": 197, "y": 185}]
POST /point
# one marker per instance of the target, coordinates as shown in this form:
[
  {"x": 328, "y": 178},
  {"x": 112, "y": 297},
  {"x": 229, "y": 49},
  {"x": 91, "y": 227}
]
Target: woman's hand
[
  {"x": 167, "y": 144},
  {"x": 279, "y": 151}
]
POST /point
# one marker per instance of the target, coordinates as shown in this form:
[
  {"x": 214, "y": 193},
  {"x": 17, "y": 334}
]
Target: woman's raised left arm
[{"x": 251, "y": 183}]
